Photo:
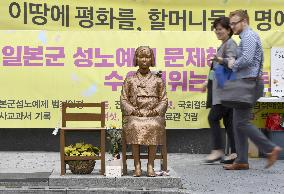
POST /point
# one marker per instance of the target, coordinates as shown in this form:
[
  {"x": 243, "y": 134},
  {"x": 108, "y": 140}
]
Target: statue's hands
[
  {"x": 144, "y": 113},
  {"x": 137, "y": 113},
  {"x": 152, "y": 113}
]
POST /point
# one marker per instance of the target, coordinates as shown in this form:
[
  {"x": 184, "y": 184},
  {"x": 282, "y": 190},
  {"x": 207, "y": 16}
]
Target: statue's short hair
[{"x": 153, "y": 63}]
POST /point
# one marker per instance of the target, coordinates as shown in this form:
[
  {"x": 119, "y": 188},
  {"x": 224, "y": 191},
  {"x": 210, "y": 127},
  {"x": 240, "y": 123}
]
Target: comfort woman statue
[{"x": 143, "y": 105}]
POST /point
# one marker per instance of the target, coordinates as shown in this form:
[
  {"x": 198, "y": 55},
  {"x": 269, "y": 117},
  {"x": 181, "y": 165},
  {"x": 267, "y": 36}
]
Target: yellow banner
[
  {"x": 138, "y": 15},
  {"x": 40, "y": 69}
]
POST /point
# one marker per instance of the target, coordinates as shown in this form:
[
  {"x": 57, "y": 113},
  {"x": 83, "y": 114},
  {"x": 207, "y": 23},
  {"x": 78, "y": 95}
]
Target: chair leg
[
  {"x": 62, "y": 154},
  {"x": 164, "y": 162},
  {"x": 103, "y": 164},
  {"x": 123, "y": 150}
]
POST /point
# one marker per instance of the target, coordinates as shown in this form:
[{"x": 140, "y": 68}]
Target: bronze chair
[
  {"x": 162, "y": 155},
  {"x": 82, "y": 117}
]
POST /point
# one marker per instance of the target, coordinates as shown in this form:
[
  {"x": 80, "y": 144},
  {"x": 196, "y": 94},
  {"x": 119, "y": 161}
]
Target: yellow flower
[{"x": 81, "y": 149}]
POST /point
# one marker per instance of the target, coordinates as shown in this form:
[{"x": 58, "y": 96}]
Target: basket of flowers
[{"x": 81, "y": 149}]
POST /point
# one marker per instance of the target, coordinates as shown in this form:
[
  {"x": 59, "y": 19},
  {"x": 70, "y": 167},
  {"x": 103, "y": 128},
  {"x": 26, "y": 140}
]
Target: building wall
[{"x": 178, "y": 140}]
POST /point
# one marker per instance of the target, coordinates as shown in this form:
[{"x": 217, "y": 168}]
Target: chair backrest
[{"x": 83, "y": 116}]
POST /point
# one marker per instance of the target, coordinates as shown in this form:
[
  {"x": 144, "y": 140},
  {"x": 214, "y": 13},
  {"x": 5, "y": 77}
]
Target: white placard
[
  {"x": 114, "y": 168},
  {"x": 277, "y": 71},
  {"x": 113, "y": 171}
]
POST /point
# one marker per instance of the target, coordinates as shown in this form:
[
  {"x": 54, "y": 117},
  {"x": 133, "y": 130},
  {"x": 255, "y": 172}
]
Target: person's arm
[
  {"x": 126, "y": 107},
  {"x": 249, "y": 44},
  {"x": 162, "y": 107},
  {"x": 230, "y": 52}
]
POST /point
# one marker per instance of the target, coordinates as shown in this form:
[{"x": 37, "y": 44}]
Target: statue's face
[{"x": 144, "y": 58}]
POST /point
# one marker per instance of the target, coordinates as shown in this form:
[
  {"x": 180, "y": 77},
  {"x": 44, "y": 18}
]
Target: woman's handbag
[{"x": 242, "y": 93}]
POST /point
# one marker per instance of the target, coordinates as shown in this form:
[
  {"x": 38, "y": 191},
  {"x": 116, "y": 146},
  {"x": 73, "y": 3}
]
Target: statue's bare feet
[
  {"x": 150, "y": 171},
  {"x": 137, "y": 171}
]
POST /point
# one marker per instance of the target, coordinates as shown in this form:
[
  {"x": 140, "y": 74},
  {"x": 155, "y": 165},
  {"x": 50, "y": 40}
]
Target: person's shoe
[
  {"x": 229, "y": 159},
  {"x": 236, "y": 166},
  {"x": 273, "y": 156},
  {"x": 215, "y": 155}
]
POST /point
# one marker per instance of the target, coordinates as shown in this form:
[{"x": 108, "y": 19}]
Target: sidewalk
[{"x": 196, "y": 178}]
